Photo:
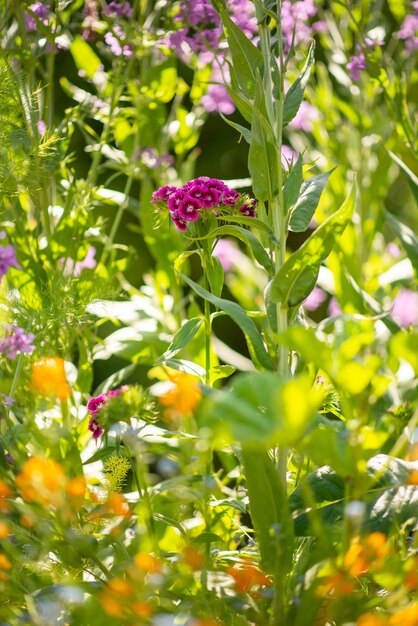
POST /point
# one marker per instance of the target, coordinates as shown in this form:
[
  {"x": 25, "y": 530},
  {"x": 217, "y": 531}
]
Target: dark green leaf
[
  {"x": 215, "y": 275},
  {"x": 255, "y": 343},
  {"x": 262, "y": 156},
  {"x": 294, "y": 96},
  {"x": 297, "y": 276},
  {"x": 292, "y": 185},
  {"x": 182, "y": 337},
  {"x": 269, "y": 512},
  {"x": 246, "y": 58},
  {"x": 307, "y": 203}
]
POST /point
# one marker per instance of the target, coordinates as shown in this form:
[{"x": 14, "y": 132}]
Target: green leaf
[
  {"x": 269, "y": 512},
  {"x": 261, "y": 409},
  {"x": 407, "y": 236},
  {"x": 412, "y": 178},
  {"x": 262, "y": 156},
  {"x": 245, "y": 132},
  {"x": 398, "y": 8},
  {"x": 215, "y": 275},
  {"x": 103, "y": 453},
  {"x": 389, "y": 501},
  {"x": 248, "y": 238},
  {"x": 161, "y": 82},
  {"x": 404, "y": 345},
  {"x": 221, "y": 371},
  {"x": 292, "y": 185},
  {"x": 182, "y": 337},
  {"x": 84, "y": 56},
  {"x": 297, "y": 276},
  {"x": 307, "y": 203},
  {"x": 246, "y": 58},
  {"x": 293, "y": 98},
  {"x": 252, "y": 335}
]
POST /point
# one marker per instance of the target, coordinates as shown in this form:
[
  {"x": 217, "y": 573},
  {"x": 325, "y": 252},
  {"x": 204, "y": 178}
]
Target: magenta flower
[
  {"x": 185, "y": 204},
  {"x": 305, "y": 117},
  {"x": 95, "y": 404},
  {"x": 16, "y": 341},
  {"x": 189, "y": 209},
  {"x": 7, "y": 259},
  {"x": 334, "y": 308},
  {"x": 94, "y": 428}
]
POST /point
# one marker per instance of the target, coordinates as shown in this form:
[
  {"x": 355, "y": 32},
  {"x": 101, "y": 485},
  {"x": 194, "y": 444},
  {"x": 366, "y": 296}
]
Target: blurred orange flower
[
  {"x": 405, "y": 617},
  {"x": 336, "y": 584},
  {"x": 147, "y": 563},
  {"x": 41, "y": 480},
  {"x": 183, "y": 396},
  {"x": 4, "y": 562},
  {"x": 4, "y": 530},
  {"x": 49, "y": 380},
  {"x": 372, "y": 619},
  {"x": 366, "y": 554},
  {"x": 247, "y": 576},
  {"x": 5, "y": 492}
]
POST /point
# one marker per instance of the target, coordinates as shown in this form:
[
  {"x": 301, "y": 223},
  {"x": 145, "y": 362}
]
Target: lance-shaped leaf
[
  {"x": 269, "y": 512},
  {"x": 246, "y": 58},
  {"x": 262, "y": 156},
  {"x": 293, "y": 183},
  {"x": 412, "y": 178},
  {"x": 182, "y": 337},
  {"x": 406, "y": 235},
  {"x": 307, "y": 203},
  {"x": 258, "y": 352},
  {"x": 294, "y": 96},
  {"x": 297, "y": 276}
]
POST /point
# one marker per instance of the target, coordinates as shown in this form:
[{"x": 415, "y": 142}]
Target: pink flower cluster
[
  {"x": 190, "y": 202},
  {"x": 95, "y": 404}
]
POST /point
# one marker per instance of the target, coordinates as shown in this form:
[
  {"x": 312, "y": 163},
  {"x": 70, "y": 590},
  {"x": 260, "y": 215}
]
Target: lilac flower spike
[
  {"x": 16, "y": 341},
  {"x": 356, "y": 63},
  {"x": 41, "y": 10},
  {"x": 7, "y": 259},
  {"x": 118, "y": 9}
]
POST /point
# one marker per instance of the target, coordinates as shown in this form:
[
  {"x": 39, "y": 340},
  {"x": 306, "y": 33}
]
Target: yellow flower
[
  {"x": 41, "y": 480},
  {"x": 48, "y": 379},
  {"x": 183, "y": 396},
  {"x": 112, "y": 606},
  {"x": 147, "y": 563}
]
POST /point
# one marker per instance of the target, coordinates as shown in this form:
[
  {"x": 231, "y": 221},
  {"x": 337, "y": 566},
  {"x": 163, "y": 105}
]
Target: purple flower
[
  {"x": 95, "y": 428},
  {"x": 305, "y": 117},
  {"x": 289, "y": 156},
  {"x": 163, "y": 193},
  {"x": 75, "y": 268},
  {"x": 229, "y": 197},
  {"x": 16, "y": 341},
  {"x": 118, "y": 9},
  {"x": 334, "y": 308},
  {"x": 41, "y": 126},
  {"x": 95, "y": 404},
  {"x": 115, "y": 41},
  {"x": 7, "y": 259},
  {"x": 189, "y": 209},
  {"x": 41, "y": 11},
  {"x": 295, "y": 18},
  {"x": 175, "y": 200},
  {"x": 315, "y": 299},
  {"x": 227, "y": 253},
  {"x": 405, "y": 308},
  {"x": 409, "y": 32},
  {"x": 356, "y": 63},
  {"x": 179, "y": 222},
  {"x": 211, "y": 198}
]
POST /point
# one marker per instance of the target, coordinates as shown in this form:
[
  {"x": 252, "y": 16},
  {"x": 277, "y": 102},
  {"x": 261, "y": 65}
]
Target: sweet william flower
[{"x": 48, "y": 379}]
